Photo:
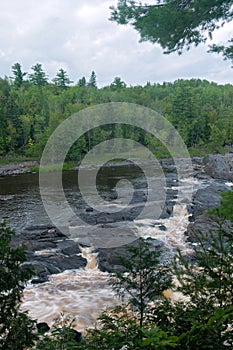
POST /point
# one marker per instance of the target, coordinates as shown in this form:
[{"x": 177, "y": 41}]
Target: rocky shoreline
[
  {"x": 218, "y": 170},
  {"x": 50, "y": 251},
  {"x": 17, "y": 168}
]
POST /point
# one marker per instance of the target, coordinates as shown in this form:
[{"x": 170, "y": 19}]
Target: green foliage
[
  {"x": 145, "y": 278},
  {"x": 38, "y": 78},
  {"x": 61, "y": 337},
  {"x": 16, "y": 328},
  {"x": 30, "y": 110},
  {"x": 119, "y": 329},
  {"x": 116, "y": 329},
  {"x": 18, "y": 75},
  {"x": 225, "y": 209},
  {"x": 92, "y": 80},
  {"x": 117, "y": 84},
  {"x": 205, "y": 318},
  {"x": 82, "y": 82},
  {"x": 62, "y": 80},
  {"x": 177, "y": 25},
  {"x": 157, "y": 339},
  {"x": 128, "y": 326}
]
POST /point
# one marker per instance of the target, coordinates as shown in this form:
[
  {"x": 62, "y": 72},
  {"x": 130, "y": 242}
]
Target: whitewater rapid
[{"x": 85, "y": 293}]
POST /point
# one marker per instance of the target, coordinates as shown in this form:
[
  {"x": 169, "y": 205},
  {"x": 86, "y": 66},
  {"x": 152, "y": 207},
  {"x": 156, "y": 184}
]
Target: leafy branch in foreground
[
  {"x": 176, "y": 25},
  {"x": 62, "y": 336},
  {"x": 16, "y": 328}
]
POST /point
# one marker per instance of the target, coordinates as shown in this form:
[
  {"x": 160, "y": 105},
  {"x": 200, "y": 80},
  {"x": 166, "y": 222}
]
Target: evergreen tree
[
  {"x": 38, "y": 78},
  {"x": 92, "y": 80},
  {"x": 128, "y": 326},
  {"x": 62, "y": 80},
  {"x": 205, "y": 318},
  {"x": 82, "y": 82},
  {"x": 18, "y": 75},
  {"x": 145, "y": 278}
]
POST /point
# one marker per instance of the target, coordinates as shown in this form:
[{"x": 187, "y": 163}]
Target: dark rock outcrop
[
  {"x": 42, "y": 327},
  {"x": 48, "y": 252},
  {"x": 207, "y": 198},
  {"x": 219, "y": 166},
  {"x": 110, "y": 258}
]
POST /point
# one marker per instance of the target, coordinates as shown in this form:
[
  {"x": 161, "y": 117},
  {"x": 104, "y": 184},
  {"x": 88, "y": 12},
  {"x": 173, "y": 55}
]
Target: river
[{"x": 85, "y": 293}]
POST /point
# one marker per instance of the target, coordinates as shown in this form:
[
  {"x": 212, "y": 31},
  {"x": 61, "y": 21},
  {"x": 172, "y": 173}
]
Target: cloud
[{"x": 77, "y": 36}]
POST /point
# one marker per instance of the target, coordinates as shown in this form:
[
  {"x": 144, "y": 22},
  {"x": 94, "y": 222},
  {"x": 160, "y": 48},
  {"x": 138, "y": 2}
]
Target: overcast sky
[{"x": 77, "y": 36}]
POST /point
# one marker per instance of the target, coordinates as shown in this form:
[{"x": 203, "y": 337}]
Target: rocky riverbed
[{"x": 50, "y": 251}]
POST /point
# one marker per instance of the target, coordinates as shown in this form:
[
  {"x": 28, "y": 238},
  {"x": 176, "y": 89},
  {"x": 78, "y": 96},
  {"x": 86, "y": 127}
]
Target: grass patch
[
  {"x": 54, "y": 167},
  {"x": 16, "y": 159}
]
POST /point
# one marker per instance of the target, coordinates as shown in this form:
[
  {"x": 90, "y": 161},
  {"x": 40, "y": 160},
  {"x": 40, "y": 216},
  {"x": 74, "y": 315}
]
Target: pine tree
[
  {"x": 62, "y": 80},
  {"x": 18, "y": 75},
  {"x": 38, "y": 78},
  {"x": 145, "y": 278},
  {"x": 82, "y": 82},
  {"x": 177, "y": 25},
  {"x": 92, "y": 80}
]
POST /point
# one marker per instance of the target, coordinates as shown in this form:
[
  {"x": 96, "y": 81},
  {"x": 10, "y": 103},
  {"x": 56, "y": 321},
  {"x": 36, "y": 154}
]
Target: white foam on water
[
  {"x": 175, "y": 226},
  {"x": 7, "y": 197},
  {"x": 84, "y": 294}
]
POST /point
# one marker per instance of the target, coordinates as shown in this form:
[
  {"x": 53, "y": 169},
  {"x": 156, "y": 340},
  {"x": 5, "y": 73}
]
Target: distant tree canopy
[
  {"x": 177, "y": 24},
  {"x": 33, "y": 105}
]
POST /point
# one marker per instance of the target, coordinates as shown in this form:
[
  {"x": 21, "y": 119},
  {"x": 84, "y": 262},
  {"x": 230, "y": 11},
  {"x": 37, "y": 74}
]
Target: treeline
[{"x": 32, "y": 106}]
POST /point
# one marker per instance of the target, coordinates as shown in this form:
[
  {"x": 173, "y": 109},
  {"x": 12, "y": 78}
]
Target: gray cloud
[{"x": 77, "y": 36}]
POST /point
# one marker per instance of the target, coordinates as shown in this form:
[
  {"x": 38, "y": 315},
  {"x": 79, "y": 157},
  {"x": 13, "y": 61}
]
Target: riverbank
[
  {"x": 19, "y": 167},
  {"x": 15, "y": 166}
]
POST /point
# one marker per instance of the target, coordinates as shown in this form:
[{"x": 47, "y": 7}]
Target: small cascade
[
  {"x": 175, "y": 226},
  {"x": 90, "y": 255},
  {"x": 83, "y": 294}
]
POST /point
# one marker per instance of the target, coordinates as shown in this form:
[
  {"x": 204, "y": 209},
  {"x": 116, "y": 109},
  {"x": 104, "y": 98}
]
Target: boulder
[
  {"x": 48, "y": 252},
  {"x": 219, "y": 166},
  {"x": 207, "y": 198},
  {"x": 206, "y": 229},
  {"x": 109, "y": 259},
  {"x": 42, "y": 327}
]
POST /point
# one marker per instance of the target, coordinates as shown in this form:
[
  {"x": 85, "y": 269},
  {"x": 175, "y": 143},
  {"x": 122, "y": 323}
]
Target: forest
[{"x": 32, "y": 106}]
